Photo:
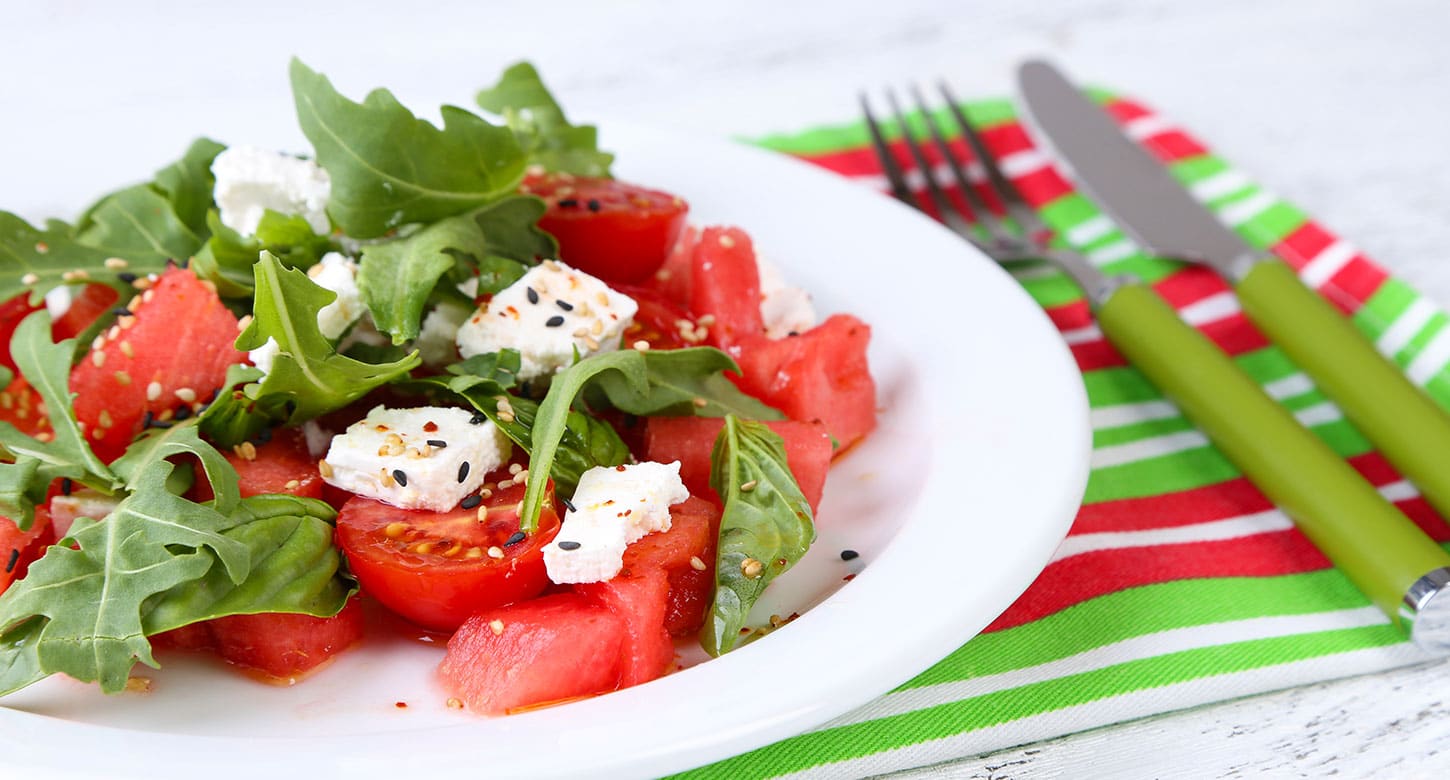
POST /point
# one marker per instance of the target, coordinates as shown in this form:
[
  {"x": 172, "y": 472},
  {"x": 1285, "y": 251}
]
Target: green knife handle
[
  {"x": 1402, "y": 421},
  {"x": 1380, "y": 549}
]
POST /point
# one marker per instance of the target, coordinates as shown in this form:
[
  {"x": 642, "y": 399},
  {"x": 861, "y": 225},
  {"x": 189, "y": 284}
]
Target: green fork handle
[
  {"x": 1400, "y": 419},
  {"x": 1380, "y": 549}
]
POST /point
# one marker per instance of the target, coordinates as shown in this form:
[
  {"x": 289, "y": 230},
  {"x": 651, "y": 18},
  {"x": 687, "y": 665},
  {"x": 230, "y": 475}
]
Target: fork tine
[
  {"x": 1017, "y": 208},
  {"x": 982, "y": 215},
  {"x": 889, "y": 164},
  {"x": 945, "y": 208}
]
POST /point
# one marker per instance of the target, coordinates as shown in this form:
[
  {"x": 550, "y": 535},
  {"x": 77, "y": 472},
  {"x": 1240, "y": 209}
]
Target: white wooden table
[{"x": 1340, "y": 107}]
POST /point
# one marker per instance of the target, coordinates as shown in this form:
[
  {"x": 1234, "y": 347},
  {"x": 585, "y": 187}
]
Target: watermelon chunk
[
  {"x": 821, "y": 374},
  {"x": 280, "y": 647},
  {"x": 549, "y": 649},
  {"x": 19, "y": 549},
  {"x": 693, "y": 534},
  {"x": 725, "y": 284},
  {"x": 640, "y": 602},
  {"x": 168, "y": 358},
  {"x": 690, "y": 440}
]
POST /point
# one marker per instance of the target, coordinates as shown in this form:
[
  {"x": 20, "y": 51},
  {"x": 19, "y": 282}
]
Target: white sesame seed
[
  {"x": 727, "y": 241},
  {"x": 495, "y": 552},
  {"x": 29, "y": 279},
  {"x": 153, "y": 391},
  {"x": 496, "y": 626},
  {"x": 185, "y": 395},
  {"x": 116, "y": 263},
  {"x": 696, "y": 563},
  {"x": 98, "y": 359},
  {"x": 641, "y": 345}
]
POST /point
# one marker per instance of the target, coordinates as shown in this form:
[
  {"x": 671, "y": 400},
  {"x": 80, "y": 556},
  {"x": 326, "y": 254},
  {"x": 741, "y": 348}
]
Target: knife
[
  {"x": 1404, "y": 424},
  {"x": 1391, "y": 560}
]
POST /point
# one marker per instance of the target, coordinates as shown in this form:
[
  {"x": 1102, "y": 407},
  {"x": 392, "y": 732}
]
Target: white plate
[{"x": 955, "y": 504}]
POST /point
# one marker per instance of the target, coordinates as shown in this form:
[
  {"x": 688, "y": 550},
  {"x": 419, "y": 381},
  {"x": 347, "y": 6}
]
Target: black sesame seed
[
  {"x": 462, "y": 471},
  {"x": 437, "y": 444},
  {"x": 569, "y": 505},
  {"x": 121, "y": 311},
  {"x": 595, "y": 205},
  {"x": 263, "y": 436},
  {"x": 182, "y": 412},
  {"x": 569, "y": 545},
  {"x": 66, "y": 486},
  {"x": 533, "y": 294},
  {"x": 568, "y": 203},
  {"x": 147, "y": 419},
  {"x": 849, "y": 555},
  {"x": 14, "y": 559},
  {"x": 126, "y": 276},
  {"x": 565, "y": 305},
  {"x": 401, "y": 477},
  {"x": 471, "y": 501},
  {"x": 518, "y": 536},
  {"x": 554, "y": 321},
  {"x": 477, "y": 418}
]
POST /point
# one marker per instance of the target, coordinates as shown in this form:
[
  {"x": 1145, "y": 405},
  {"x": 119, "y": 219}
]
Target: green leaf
[
  {"x": 552, "y": 420},
  {"x": 521, "y": 98},
  {"x": 766, "y": 523},
  {"x": 390, "y": 168},
  {"x": 158, "y": 444},
  {"x": 86, "y": 612},
  {"x": 46, "y": 366},
  {"x": 308, "y": 375},
  {"x": 228, "y": 256},
  {"x": 234, "y": 417},
  {"x": 511, "y": 229},
  {"x": 40, "y": 260},
  {"x": 91, "y": 595},
  {"x": 683, "y": 382},
  {"x": 138, "y": 225},
  {"x": 395, "y": 278},
  {"x": 188, "y": 183}
]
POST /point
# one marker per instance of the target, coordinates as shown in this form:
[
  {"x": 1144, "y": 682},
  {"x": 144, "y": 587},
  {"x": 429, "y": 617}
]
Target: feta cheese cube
[
  {"x": 549, "y": 315},
  {"x": 249, "y": 181},
  {"x": 422, "y": 458},
  {"x": 613, "y": 507},
  {"x": 783, "y": 308}
]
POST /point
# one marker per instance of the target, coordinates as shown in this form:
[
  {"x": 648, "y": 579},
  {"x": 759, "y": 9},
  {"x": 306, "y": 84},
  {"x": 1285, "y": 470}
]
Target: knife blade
[{"x": 1404, "y": 423}]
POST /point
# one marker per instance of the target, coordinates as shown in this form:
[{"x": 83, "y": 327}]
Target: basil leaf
[
  {"x": 766, "y": 526},
  {"x": 38, "y": 261},
  {"x": 389, "y": 168},
  {"x": 46, "y": 366},
  {"x": 308, "y": 375},
  {"x": 188, "y": 184},
  {"x": 683, "y": 382},
  {"x": 228, "y": 256},
  {"x": 138, "y": 224},
  {"x": 521, "y": 98},
  {"x": 395, "y": 278}
]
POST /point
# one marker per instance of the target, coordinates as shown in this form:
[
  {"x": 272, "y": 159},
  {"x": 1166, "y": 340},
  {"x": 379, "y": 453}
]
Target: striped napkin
[{"x": 1179, "y": 584}]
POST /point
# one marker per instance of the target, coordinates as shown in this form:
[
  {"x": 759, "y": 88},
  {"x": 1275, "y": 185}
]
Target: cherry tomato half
[
  {"x": 616, "y": 231},
  {"x": 435, "y": 568}
]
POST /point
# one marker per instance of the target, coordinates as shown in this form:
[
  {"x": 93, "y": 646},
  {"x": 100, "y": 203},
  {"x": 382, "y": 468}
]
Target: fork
[{"x": 1385, "y": 554}]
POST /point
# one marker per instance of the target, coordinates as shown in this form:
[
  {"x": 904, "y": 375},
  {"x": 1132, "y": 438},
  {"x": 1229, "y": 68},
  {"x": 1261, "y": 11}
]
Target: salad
[{"x": 458, "y": 373}]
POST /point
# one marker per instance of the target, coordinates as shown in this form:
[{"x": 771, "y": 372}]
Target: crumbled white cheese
[
  {"x": 613, "y": 507},
  {"x": 262, "y": 357},
  {"x": 422, "y": 458},
  {"x": 549, "y": 315},
  {"x": 317, "y": 437},
  {"x": 783, "y": 308},
  {"x": 249, "y": 181},
  {"x": 437, "y": 341},
  {"x": 58, "y": 301},
  {"x": 338, "y": 274}
]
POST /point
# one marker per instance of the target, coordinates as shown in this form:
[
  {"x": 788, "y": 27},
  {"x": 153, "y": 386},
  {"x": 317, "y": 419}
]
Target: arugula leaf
[
  {"x": 188, "y": 184},
  {"x": 395, "y": 278},
  {"x": 181, "y": 439},
  {"x": 389, "y": 168},
  {"x": 308, "y": 374},
  {"x": 228, "y": 256},
  {"x": 765, "y": 529},
  {"x": 86, "y": 611},
  {"x": 90, "y": 597},
  {"x": 138, "y": 224},
  {"x": 511, "y": 229},
  {"x": 23, "y": 482},
  {"x": 38, "y": 261},
  {"x": 682, "y": 382},
  {"x": 234, "y": 417},
  {"x": 521, "y": 98}
]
